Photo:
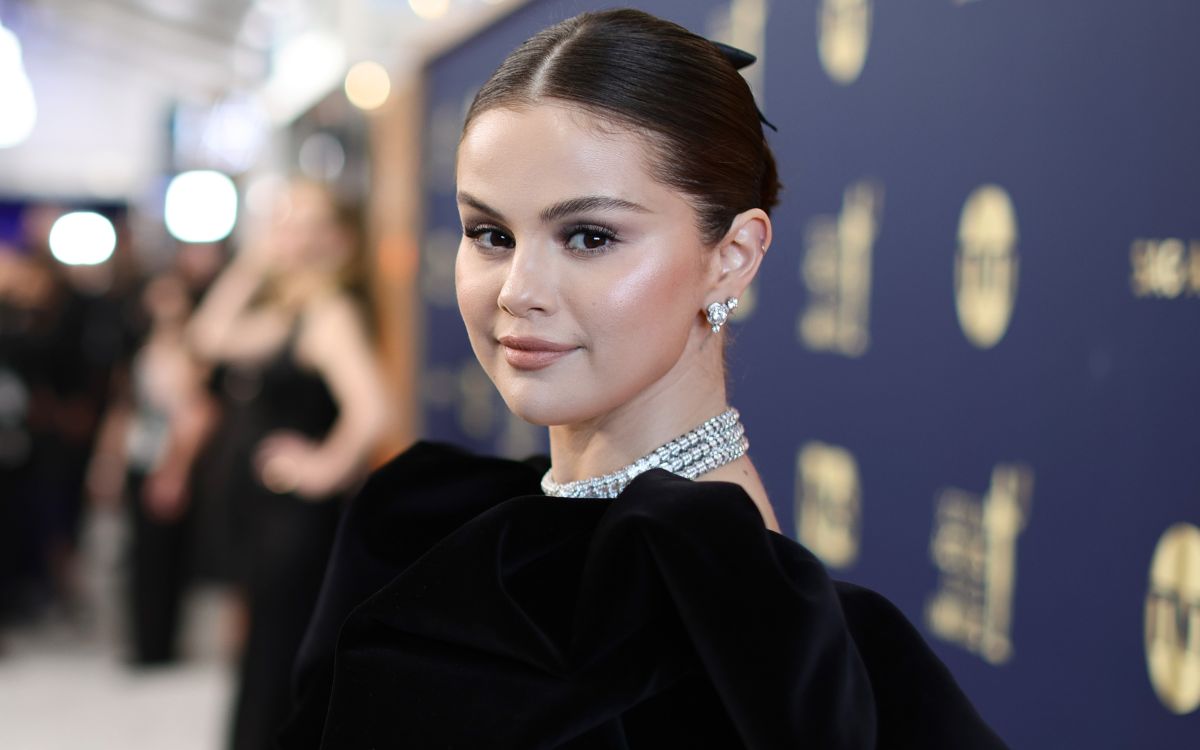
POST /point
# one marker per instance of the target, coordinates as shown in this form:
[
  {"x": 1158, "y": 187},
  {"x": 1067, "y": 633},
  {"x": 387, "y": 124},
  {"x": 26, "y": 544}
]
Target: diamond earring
[{"x": 718, "y": 312}]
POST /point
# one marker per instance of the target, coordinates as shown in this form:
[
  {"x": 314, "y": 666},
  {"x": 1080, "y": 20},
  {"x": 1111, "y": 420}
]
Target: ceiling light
[
  {"x": 82, "y": 238},
  {"x": 201, "y": 206},
  {"x": 16, "y": 93}
]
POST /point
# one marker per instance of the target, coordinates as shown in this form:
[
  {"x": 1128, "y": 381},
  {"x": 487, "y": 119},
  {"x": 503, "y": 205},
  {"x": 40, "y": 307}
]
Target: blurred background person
[
  {"x": 24, "y": 289},
  {"x": 148, "y": 447},
  {"x": 62, "y": 337},
  {"x": 303, "y": 409}
]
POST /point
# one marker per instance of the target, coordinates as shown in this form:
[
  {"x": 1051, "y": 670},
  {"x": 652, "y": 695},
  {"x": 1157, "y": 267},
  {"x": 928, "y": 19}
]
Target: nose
[{"x": 529, "y": 286}]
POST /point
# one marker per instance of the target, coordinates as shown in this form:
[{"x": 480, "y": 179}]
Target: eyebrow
[{"x": 564, "y": 208}]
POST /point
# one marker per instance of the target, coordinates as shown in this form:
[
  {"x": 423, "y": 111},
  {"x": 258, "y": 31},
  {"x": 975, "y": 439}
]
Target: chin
[
  {"x": 544, "y": 412},
  {"x": 539, "y": 405}
]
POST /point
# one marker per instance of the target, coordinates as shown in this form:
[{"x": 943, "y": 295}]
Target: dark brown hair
[{"x": 633, "y": 69}]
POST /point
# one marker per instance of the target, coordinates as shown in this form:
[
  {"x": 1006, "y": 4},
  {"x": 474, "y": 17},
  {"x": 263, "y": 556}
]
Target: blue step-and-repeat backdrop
[{"x": 970, "y": 370}]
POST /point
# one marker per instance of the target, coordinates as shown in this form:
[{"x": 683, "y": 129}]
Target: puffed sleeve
[
  {"x": 770, "y": 633},
  {"x": 918, "y": 702},
  {"x": 405, "y": 507}
]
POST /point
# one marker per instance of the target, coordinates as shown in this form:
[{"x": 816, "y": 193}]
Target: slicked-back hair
[{"x": 632, "y": 69}]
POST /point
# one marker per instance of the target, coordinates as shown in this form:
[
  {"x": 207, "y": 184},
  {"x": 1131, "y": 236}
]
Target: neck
[{"x": 691, "y": 393}]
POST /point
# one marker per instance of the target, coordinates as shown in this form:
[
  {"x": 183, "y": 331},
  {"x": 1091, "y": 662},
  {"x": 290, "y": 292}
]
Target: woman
[
  {"x": 303, "y": 411},
  {"x": 614, "y": 187},
  {"x": 150, "y": 440}
]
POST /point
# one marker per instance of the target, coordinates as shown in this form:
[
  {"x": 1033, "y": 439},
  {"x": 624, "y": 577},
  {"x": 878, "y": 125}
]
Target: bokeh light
[
  {"x": 304, "y": 69},
  {"x": 18, "y": 108},
  {"x": 367, "y": 85},
  {"x": 429, "y": 9},
  {"x": 322, "y": 157},
  {"x": 82, "y": 238},
  {"x": 201, "y": 206}
]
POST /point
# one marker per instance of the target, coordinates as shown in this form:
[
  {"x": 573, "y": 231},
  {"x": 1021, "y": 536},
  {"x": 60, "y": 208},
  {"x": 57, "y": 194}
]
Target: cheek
[{"x": 650, "y": 301}]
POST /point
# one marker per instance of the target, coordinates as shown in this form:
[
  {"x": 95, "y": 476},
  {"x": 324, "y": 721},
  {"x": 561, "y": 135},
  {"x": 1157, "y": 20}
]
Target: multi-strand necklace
[{"x": 715, "y": 443}]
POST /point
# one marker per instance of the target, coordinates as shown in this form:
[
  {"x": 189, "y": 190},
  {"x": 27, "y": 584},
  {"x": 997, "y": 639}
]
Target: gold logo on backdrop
[
  {"x": 520, "y": 439},
  {"x": 985, "y": 268},
  {"x": 843, "y": 38},
  {"x": 1173, "y": 619},
  {"x": 836, "y": 269},
  {"x": 974, "y": 546},
  {"x": 828, "y": 503},
  {"x": 747, "y": 304},
  {"x": 439, "y": 386},
  {"x": 477, "y": 407},
  {"x": 744, "y": 25},
  {"x": 466, "y": 390},
  {"x": 438, "y": 254},
  {"x": 441, "y": 146},
  {"x": 1165, "y": 268}
]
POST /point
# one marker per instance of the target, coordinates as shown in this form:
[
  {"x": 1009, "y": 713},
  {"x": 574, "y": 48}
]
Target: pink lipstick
[{"x": 528, "y": 353}]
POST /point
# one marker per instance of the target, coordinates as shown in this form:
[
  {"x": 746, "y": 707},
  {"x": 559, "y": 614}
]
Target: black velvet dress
[
  {"x": 464, "y": 609},
  {"x": 282, "y": 541}
]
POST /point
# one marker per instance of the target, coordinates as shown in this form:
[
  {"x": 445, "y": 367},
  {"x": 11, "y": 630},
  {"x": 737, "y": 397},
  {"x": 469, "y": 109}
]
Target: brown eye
[
  {"x": 589, "y": 240},
  {"x": 490, "y": 238},
  {"x": 496, "y": 238}
]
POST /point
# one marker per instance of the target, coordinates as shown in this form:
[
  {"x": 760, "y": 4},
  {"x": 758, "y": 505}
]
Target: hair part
[{"x": 659, "y": 80}]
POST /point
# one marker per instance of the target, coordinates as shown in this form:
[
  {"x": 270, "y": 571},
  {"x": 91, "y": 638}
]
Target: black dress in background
[
  {"x": 158, "y": 548},
  {"x": 464, "y": 609},
  {"x": 282, "y": 541},
  {"x": 57, "y": 359}
]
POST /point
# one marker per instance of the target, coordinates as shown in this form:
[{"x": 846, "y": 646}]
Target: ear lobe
[{"x": 741, "y": 251}]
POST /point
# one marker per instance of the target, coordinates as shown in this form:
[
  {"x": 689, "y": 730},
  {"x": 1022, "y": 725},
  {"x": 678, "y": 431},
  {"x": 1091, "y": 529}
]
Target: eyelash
[
  {"x": 477, "y": 231},
  {"x": 595, "y": 230}
]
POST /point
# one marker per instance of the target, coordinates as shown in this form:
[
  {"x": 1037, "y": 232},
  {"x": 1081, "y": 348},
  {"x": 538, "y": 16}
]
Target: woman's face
[
  {"x": 307, "y": 235},
  {"x": 579, "y": 276}
]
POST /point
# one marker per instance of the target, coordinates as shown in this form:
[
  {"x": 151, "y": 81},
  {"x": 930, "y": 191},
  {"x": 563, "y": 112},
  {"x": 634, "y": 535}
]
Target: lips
[{"x": 529, "y": 353}]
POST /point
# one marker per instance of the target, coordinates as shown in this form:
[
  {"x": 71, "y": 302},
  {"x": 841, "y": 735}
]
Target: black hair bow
[{"x": 740, "y": 58}]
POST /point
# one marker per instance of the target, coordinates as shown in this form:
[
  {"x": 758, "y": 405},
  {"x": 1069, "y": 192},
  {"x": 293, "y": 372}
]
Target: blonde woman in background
[{"x": 304, "y": 406}]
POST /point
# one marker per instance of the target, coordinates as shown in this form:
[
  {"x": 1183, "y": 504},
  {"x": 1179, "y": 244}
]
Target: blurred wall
[
  {"x": 395, "y": 218},
  {"x": 969, "y": 370}
]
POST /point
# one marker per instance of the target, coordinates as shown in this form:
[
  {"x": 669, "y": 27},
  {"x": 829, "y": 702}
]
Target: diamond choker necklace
[{"x": 715, "y": 443}]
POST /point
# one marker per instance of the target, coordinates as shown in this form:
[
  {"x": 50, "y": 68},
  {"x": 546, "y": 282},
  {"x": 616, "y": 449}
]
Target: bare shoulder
[
  {"x": 743, "y": 473},
  {"x": 336, "y": 312},
  {"x": 331, "y": 324}
]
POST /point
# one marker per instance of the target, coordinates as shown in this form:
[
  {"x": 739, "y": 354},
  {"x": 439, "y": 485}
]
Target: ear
[{"x": 739, "y": 254}]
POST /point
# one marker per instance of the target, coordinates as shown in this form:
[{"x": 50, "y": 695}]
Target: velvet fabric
[{"x": 464, "y": 609}]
